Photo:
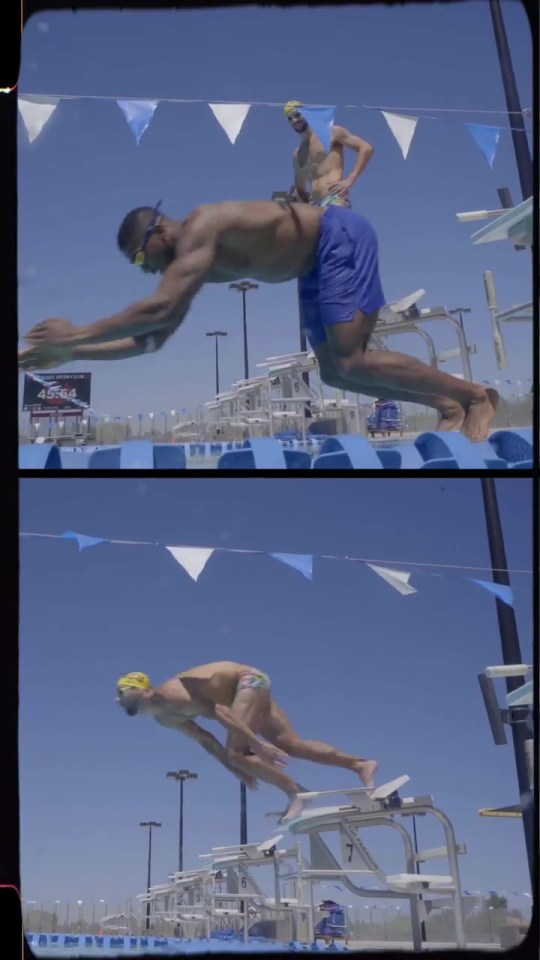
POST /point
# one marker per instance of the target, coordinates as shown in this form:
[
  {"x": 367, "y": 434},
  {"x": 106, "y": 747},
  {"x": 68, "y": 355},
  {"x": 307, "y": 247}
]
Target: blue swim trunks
[{"x": 345, "y": 277}]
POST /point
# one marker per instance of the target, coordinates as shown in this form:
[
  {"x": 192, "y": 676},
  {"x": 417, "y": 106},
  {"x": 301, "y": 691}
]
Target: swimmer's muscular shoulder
[
  {"x": 174, "y": 692},
  {"x": 177, "y": 705}
]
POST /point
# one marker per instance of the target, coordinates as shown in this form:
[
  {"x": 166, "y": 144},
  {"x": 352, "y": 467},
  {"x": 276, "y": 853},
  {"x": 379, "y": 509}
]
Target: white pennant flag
[
  {"x": 192, "y": 559},
  {"x": 403, "y": 129},
  {"x": 230, "y": 116},
  {"x": 398, "y": 579},
  {"x": 35, "y": 113}
]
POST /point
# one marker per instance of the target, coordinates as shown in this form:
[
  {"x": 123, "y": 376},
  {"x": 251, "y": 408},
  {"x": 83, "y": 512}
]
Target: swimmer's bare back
[
  {"x": 217, "y": 682},
  {"x": 267, "y": 241}
]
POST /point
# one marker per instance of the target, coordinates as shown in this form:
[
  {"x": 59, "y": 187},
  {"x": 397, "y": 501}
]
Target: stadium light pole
[
  {"x": 149, "y": 824},
  {"x": 243, "y": 286},
  {"x": 511, "y": 653},
  {"x": 243, "y": 814},
  {"x": 460, "y": 311},
  {"x": 181, "y": 776},
  {"x": 515, "y": 112},
  {"x": 217, "y": 334}
]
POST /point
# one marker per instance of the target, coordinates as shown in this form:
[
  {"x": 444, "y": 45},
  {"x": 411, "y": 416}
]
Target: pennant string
[
  {"x": 322, "y": 556},
  {"x": 526, "y": 112}
]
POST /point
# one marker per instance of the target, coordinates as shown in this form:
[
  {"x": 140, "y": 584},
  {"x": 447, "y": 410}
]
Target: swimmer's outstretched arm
[
  {"x": 165, "y": 311},
  {"x": 212, "y": 746}
]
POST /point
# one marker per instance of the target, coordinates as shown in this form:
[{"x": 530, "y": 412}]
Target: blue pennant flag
[
  {"x": 83, "y": 540},
  {"x": 499, "y": 590},
  {"x": 487, "y": 139},
  {"x": 138, "y": 114},
  {"x": 301, "y": 562},
  {"x": 321, "y": 120}
]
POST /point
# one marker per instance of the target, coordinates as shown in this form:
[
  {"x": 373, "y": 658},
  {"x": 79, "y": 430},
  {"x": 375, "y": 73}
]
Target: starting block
[
  {"x": 367, "y": 800},
  {"x": 246, "y": 851},
  {"x": 371, "y": 793},
  {"x": 366, "y": 808}
]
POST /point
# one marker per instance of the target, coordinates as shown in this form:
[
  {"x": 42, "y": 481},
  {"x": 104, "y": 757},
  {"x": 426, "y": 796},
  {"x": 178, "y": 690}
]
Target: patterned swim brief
[
  {"x": 252, "y": 678},
  {"x": 333, "y": 200}
]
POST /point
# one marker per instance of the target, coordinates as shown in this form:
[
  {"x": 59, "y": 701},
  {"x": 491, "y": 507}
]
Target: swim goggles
[{"x": 140, "y": 256}]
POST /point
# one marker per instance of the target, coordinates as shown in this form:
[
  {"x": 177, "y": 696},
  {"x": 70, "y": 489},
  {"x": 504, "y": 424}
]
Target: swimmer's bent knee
[
  {"x": 350, "y": 363},
  {"x": 330, "y": 376}
]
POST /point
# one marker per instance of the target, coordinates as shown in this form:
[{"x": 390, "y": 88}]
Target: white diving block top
[
  {"x": 283, "y": 902},
  {"x": 361, "y": 802},
  {"x": 373, "y": 793},
  {"x": 391, "y": 311},
  {"x": 406, "y": 881},
  {"x": 192, "y": 916},
  {"x": 246, "y": 849}
]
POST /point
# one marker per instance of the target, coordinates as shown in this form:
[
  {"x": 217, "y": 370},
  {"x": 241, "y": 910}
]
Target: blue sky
[
  {"x": 85, "y": 172},
  {"x": 352, "y": 662}
]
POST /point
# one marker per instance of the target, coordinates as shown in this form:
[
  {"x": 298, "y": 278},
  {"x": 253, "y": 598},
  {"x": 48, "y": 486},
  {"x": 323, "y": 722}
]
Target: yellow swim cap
[
  {"x": 292, "y": 105},
  {"x": 137, "y": 680}
]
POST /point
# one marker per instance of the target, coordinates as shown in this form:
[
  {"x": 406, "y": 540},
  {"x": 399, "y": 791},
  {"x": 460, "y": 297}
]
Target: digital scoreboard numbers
[{"x": 56, "y": 395}]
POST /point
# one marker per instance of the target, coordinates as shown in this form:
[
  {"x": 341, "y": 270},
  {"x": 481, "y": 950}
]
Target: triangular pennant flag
[
  {"x": 487, "y": 139},
  {"x": 230, "y": 117},
  {"x": 298, "y": 561},
  {"x": 138, "y": 114},
  {"x": 403, "y": 129},
  {"x": 192, "y": 559},
  {"x": 398, "y": 579},
  {"x": 499, "y": 590},
  {"x": 321, "y": 121},
  {"x": 82, "y": 539},
  {"x": 35, "y": 113}
]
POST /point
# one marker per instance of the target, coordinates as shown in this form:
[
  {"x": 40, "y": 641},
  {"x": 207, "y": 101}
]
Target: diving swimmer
[
  {"x": 334, "y": 253},
  {"x": 239, "y": 697},
  {"x": 324, "y": 170}
]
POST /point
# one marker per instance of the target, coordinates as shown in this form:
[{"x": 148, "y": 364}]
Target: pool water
[{"x": 168, "y": 947}]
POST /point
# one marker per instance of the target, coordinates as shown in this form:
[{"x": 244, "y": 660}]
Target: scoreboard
[{"x": 66, "y": 394}]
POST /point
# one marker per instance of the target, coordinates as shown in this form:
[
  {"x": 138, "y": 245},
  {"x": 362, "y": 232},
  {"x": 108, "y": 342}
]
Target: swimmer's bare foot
[
  {"x": 480, "y": 413},
  {"x": 451, "y": 417},
  {"x": 366, "y": 770},
  {"x": 293, "y": 810},
  {"x": 493, "y": 398}
]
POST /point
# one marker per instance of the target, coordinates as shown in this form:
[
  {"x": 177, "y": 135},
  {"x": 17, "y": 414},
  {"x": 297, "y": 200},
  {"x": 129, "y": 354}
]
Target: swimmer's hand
[
  {"x": 341, "y": 189},
  {"x": 44, "y": 357},
  {"x": 270, "y": 754},
  {"x": 56, "y": 333},
  {"x": 250, "y": 782}
]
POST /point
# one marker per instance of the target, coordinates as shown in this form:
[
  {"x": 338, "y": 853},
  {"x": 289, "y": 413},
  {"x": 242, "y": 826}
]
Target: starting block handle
[{"x": 508, "y": 670}]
